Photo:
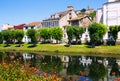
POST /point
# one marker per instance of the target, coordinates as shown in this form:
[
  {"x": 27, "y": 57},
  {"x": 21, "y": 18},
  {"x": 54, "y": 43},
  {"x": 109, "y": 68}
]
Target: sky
[{"x": 16, "y": 12}]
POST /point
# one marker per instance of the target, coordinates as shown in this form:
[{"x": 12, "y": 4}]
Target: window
[
  {"x": 31, "y": 27},
  {"x": 60, "y": 16},
  {"x": 69, "y": 22},
  {"x": 26, "y": 28},
  {"x": 70, "y": 17},
  {"x": 69, "y": 13}
]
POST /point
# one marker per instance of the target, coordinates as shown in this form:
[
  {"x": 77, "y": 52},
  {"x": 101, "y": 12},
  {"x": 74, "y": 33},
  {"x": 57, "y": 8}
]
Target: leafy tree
[
  {"x": 78, "y": 31},
  {"x": 6, "y": 36},
  {"x": 92, "y": 15},
  {"x": 94, "y": 37},
  {"x": 12, "y": 35},
  {"x": 96, "y": 32},
  {"x": 70, "y": 33},
  {"x": 45, "y": 33},
  {"x": 33, "y": 34},
  {"x": 114, "y": 31},
  {"x": 0, "y": 37},
  {"x": 97, "y": 71},
  {"x": 19, "y": 34},
  {"x": 57, "y": 33},
  {"x": 119, "y": 28},
  {"x": 83, "y": 10},
  {"x": 74, "y": 32}
]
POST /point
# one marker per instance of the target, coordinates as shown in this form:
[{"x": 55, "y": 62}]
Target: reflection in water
[{"x": 78, "y": 68}]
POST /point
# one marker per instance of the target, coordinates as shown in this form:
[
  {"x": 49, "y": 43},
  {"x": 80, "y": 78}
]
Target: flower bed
[{"x": 17, "y": 72}]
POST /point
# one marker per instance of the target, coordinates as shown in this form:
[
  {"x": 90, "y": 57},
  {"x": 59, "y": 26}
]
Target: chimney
[{"x": 70, "y": 8}]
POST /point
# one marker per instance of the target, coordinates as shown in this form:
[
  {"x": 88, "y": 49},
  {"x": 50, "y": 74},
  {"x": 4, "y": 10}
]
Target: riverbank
[{"x": 58, "y": 48}]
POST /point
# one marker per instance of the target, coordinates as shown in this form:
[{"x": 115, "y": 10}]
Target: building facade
[
  {"x": 82, "y": 22},
  {"x": 111, "y": 12},
  {"x": 99, "y": 15},
  {"x": 50, "y": 23},
  {"x": 32, "y": 25},
  {"x": 109, "y": 15},
  {"x": 66, "y": 18},
  {"x": 60, "y": 19}
]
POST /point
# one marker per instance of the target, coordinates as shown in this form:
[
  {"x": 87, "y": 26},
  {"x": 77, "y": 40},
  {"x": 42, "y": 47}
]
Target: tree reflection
[
  {"x": 74, "y": 66},
  {"x": 115, "y": 70},
  {"x": 51, "y": 63},
  {"x": 3, "y": 55},
  {"x": 97, "y": 71},
  {"x": 33, "y": 60}
]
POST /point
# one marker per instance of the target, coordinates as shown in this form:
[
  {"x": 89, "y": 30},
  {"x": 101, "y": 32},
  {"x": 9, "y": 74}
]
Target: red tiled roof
[
  {"x": 33, "y": 24},
  {"x": 19, "y": 26}
]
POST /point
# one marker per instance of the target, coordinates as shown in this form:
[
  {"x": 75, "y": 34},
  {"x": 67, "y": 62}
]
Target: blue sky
[{"x": 24, "y": 11}]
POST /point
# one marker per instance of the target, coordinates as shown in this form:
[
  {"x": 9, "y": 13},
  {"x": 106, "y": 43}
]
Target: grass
[{"x": 61, "y": 49}]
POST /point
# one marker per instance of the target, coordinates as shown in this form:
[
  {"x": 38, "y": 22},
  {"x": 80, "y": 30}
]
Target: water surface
[{"x": 78, "y": 68}]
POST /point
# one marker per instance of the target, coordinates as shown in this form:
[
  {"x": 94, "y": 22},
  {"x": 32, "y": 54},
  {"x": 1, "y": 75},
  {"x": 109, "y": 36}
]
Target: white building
[
  {"x": 32, "y": 25},
  {"x": 7, "y": 27},
  {"x": 99, "y": 15},
  {"x": 109, "y": 14}
]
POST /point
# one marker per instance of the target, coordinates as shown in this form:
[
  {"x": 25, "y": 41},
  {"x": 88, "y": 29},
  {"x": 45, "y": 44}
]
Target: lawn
[{"x": 62, "y": 49}]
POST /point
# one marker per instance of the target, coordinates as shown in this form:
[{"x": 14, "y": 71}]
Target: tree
[
  {"x": 119, "y": 28},
  {"x": 78, "y": 31},
  {"x": 70, "y": 33},
  {"x": 12, "y": 35},
  {"x": 45, "y": 33},
  {"x": 6, "y": 36},
  {"x": 33, "y": 34},
  {"x": 57, "y": 33},
  {"x": 114, "y": 32},
  {"x": 92, "y": 15},
  {"x": 0, "y": 37},
  {"x": 19, "y": 34},
  {"x": 96, "y": 32},
  {"x": 83, "y": 10}
]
